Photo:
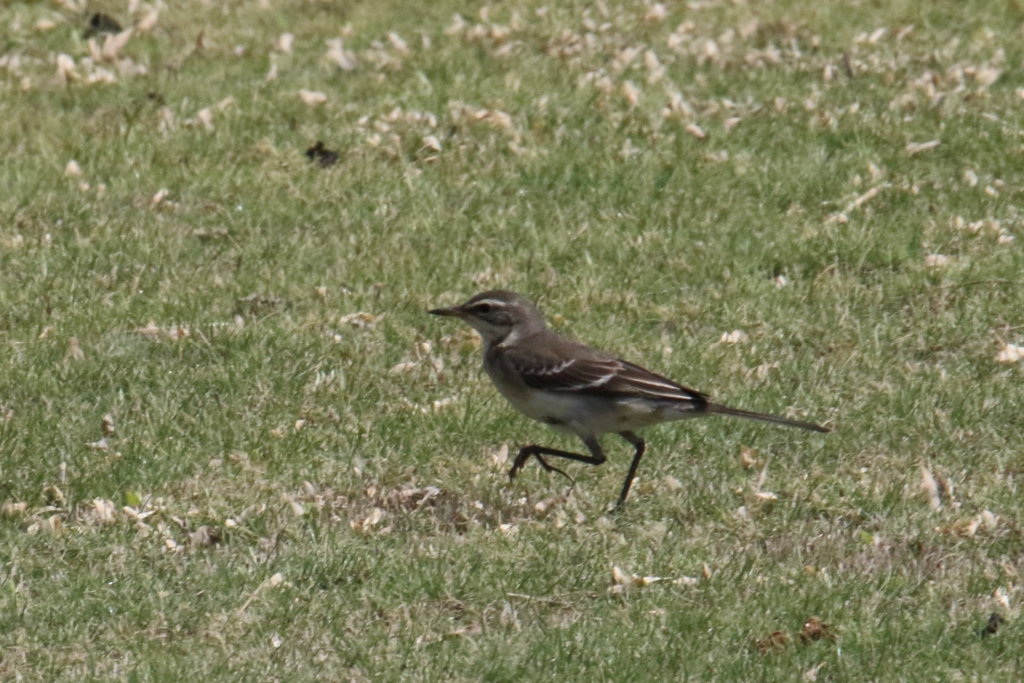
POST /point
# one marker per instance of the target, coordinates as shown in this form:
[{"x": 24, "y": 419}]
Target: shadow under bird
[{"x": 576, "y": 389}]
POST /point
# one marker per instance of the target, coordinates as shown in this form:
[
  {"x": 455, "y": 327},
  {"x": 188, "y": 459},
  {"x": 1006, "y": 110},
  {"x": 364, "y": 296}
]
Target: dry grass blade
[{"x": 930, "y": 488}]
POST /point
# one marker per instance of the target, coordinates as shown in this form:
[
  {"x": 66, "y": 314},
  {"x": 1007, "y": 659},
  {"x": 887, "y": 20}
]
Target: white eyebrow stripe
[{"x": 491, "y": 302}]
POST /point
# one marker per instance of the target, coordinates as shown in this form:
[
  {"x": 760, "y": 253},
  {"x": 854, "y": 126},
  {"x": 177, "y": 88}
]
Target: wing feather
[{"x": 603, "y": 377}]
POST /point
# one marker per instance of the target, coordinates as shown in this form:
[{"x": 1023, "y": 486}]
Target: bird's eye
[{"x": 483, "y": 308}]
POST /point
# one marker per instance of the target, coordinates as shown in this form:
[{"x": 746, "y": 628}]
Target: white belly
[{"x": 588, "y": 416}]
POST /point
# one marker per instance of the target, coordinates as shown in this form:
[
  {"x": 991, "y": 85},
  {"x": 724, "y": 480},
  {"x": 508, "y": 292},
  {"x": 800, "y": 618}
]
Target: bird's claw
[{"x": 516, "y": 466}]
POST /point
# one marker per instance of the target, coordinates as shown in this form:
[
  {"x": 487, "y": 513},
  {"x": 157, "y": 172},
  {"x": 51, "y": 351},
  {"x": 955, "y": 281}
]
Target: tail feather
[{"x": 761, "y": 417}]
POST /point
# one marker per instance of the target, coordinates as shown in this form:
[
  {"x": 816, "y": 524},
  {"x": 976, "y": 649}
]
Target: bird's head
[{"x": 497, "y": 315}]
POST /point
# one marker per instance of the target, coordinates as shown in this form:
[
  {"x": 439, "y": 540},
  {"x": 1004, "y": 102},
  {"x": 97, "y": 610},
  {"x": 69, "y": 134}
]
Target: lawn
[{"x": 233, "y": 444}]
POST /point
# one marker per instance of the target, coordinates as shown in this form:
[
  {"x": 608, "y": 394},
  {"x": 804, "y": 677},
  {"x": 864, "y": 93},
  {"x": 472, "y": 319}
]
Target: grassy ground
[{"x": 300, "y": 474}]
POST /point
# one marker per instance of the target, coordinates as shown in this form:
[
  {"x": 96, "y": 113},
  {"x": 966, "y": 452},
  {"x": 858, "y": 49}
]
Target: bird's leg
[
  {"x": 640, "y": 447},
  {"x": 548, "y": 467},
  {"x": 527, "y": 452}
]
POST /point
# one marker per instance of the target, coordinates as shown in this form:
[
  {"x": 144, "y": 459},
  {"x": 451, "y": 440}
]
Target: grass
[{"x": 282, "y": 499}]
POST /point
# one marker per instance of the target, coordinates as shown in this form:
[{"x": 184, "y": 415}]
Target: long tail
[{"x": 717, "y": 409}]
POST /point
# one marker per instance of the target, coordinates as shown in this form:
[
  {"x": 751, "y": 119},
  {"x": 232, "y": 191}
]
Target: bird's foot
[{"x": 551, "y": 468}]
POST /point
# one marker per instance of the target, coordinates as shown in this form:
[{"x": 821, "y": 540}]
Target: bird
[{"x": 576, "y": 389}]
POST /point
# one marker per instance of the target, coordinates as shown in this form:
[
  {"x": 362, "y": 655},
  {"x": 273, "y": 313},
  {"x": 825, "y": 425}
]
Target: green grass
[{"x": 277, "y": 423}]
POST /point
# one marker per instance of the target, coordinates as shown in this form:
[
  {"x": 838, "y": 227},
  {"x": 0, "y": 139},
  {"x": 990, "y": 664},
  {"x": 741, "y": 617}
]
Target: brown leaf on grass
[
  {"x": 402, "y": 367},
  {"x": 543, "y": 506},
  {"x": 206, "y": 536},
  {"x": 498, "y": 119},
  {"x": 113, "y": 44},
  {"x": 12, "y": 509},
  {"x": 398, "y": 42},
  {"x": 74, "y": 351},
  {"x": 1010, "y": 353},
  {"x": 362, "y": 320},
  {"x": 644, "y": 581},
  {"x": 1002, "y": 597},
  {"x": 366, "y": 524},
  {"x": 734, "y": 337},
  {"x": 812, "y": 673},
  {"x": 677, "y": 107},
  {"x": 918, "y": 147},
  {"x": 173, "y": 332},
  {"x": 696, "y": 131},
  {"x": 748, "y": 457},
  {"x": 478, "y": 32},
  {"x": 499, "y": 456},
  {"x": 631, "y": 93},
  {"x": 457, "y": 26},
  {"x": 964, "y": 528},
  {"x": 148, "y": 22},
  {"x": 336, "y": 53},
  {"x": 273, "y": 582},
  {"x": 990, "y": 521},
  {"x": 655, "y": 70},
  {"x": 258, "y": 303},
  {"x": 312, "y": 98},
  {"x": 656, "y": 13},
  {"x": 624, "y": 57},
  {"x": 986, "y": 76},
  {"x": 930, "y": 488},
  {"x": 104, "y": 511},
  {"x": 431, "y": 142},
  {"x": 619, "y": 577},
  {"x": 150, "y": 330},
  {"x": 749, "y": 29},
  {"x": 414, "y": 498},
  {"x": 53, "y": 496},
  {"x": 773, "y": 642},
  {"x": 864, "y": 198},
  {"x": 53, "y": 524},
  {"x": 815, "y": 629},
  {"x": 284, "y": 43}
]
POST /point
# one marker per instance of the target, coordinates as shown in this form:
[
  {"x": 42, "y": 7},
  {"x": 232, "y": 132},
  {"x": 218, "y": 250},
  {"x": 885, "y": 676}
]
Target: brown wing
[{"x": 594, "y": 375}]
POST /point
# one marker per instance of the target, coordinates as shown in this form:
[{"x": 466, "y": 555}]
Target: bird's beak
[{"x": 453, "y": 312}]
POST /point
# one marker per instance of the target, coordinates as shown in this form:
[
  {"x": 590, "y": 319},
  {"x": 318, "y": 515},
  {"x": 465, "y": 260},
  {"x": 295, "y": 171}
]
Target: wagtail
[{"x": 576, "y": 389}]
